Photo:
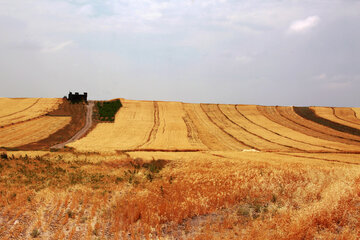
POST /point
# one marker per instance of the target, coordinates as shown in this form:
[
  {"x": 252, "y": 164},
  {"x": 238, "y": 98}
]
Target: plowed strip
[
  {"x": 318, "y": 115},
  {"x": 281, "y": 133},
  {"x": 286, "y": 117}
]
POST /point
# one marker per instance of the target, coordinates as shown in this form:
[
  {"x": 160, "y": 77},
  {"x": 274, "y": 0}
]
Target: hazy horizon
[{"x": 213, "y": 51}]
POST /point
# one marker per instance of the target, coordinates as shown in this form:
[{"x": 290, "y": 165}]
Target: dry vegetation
[
  {"x": 190, "y": 171},
  {"x": 193, "y": 196}
]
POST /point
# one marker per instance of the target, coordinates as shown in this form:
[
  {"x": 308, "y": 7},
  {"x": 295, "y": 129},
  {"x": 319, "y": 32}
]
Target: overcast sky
[{"x": 268, "y": 52}]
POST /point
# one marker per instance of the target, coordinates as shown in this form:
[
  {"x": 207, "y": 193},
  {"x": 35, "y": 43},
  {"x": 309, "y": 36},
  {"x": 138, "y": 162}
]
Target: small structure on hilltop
[{"x": 77, "y": 97}]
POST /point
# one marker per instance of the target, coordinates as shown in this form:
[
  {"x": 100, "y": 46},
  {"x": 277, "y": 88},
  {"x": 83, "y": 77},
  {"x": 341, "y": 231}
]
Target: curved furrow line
[
  {"x": 356, "y": 113},
  {"x": 316, "y": 158},
  {"x": 155, "y": 128},
  {"x": 227, "y": 133},
  {"x": 308, "y": 114},
  {"x": 22, "y": 109},
  {"x": 354, "y": 141},
  {"x": 342, "y": 118},
  {"x": 295, "y": 140},
  {"x": 205, "y": 128},
  {"x": 244, "y": 129}
]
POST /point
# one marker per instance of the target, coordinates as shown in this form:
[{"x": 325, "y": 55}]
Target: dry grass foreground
[{"x": 213, "y": 195}]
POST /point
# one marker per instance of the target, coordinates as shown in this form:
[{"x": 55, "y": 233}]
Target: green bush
[{"x": 107, "y": 110}]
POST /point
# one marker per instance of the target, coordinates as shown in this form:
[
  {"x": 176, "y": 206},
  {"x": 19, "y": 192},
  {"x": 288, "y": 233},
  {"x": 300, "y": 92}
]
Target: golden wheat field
[
  {"x": 172, "y": 170},
  {"x": 23, "y": 120}
]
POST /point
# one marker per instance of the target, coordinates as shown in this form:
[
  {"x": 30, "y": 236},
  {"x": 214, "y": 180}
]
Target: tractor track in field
[
  {"x": 83, "y": 131},
  {"x": 192, "y": 133},
  {"x": 316, "y": 158},
  {"x": 155, "y": 128}
]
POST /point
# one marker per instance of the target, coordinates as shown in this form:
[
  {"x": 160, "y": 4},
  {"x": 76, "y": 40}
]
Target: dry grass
[{"x": 193, "y": 195}]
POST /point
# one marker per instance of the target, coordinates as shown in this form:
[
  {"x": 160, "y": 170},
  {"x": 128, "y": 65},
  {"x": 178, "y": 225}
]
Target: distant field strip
[
  {"x": 172, "y": 132},
  {"x": 243, "y": 138},
  {"x": 147, "y": 126},
  {"x": 31, "y": 131},
  {"x": 357, "y": 112},
  {"x": 347, "y": 114},
  {"x": 209, "y": 133},
  {"x": 281, "y": 133},
  {"x": 133, "y": 125},
  {"x": 287, "y": 117},
  {"x": 229, "y": 111},
  {"x": 19, "y": 110},
  {"x": 322, "y": 116},
  {"x": 332, "y": 115}
]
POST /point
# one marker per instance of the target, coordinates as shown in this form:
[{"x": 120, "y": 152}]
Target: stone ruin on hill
[{"x": 77, "y": 97}]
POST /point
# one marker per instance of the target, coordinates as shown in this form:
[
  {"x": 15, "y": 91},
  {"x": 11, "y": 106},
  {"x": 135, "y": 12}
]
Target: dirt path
[{"x": 88, "y": 124}]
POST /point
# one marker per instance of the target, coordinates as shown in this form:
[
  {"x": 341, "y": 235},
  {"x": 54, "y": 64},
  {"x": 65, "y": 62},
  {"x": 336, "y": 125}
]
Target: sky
[{"x": 267, "y": 52}]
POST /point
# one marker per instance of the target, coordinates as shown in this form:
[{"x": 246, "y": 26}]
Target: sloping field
[
  {"x": 347, "y": 114},
  {"x": 332, "y": 114},
  {"x": 175, "y": 126},
  {"x": 170, "y": 170},
  {"x": 14, "y": 110},
  {"x": 31, "y": 131},
  {"x": 357, "y": 112},
  {"x": 288, "y": 118}
]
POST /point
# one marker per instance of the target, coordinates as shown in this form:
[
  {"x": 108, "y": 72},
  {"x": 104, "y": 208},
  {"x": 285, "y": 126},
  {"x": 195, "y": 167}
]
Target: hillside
[
  {"x": 175, "y": 126},
  {"x": 171, "y": 170}
]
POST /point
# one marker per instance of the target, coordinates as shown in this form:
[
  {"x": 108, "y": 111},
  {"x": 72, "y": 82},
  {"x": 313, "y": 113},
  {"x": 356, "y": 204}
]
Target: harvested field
[
  {"x": 170, "y": 170},
  {"x": 13, "y": 110},
  {"x": 347, "y": 114},
  {"x": 333, "y": 114},
  {"x": 288, "y": 118},
  {"x": 174, "y": 126}
]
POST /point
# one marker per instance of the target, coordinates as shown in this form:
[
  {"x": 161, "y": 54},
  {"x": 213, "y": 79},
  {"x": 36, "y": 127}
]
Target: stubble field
[{"x": 171, "y": 170}]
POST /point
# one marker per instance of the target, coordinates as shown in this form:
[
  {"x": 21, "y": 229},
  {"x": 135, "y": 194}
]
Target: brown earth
[{"x": 77, "y": 112}]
